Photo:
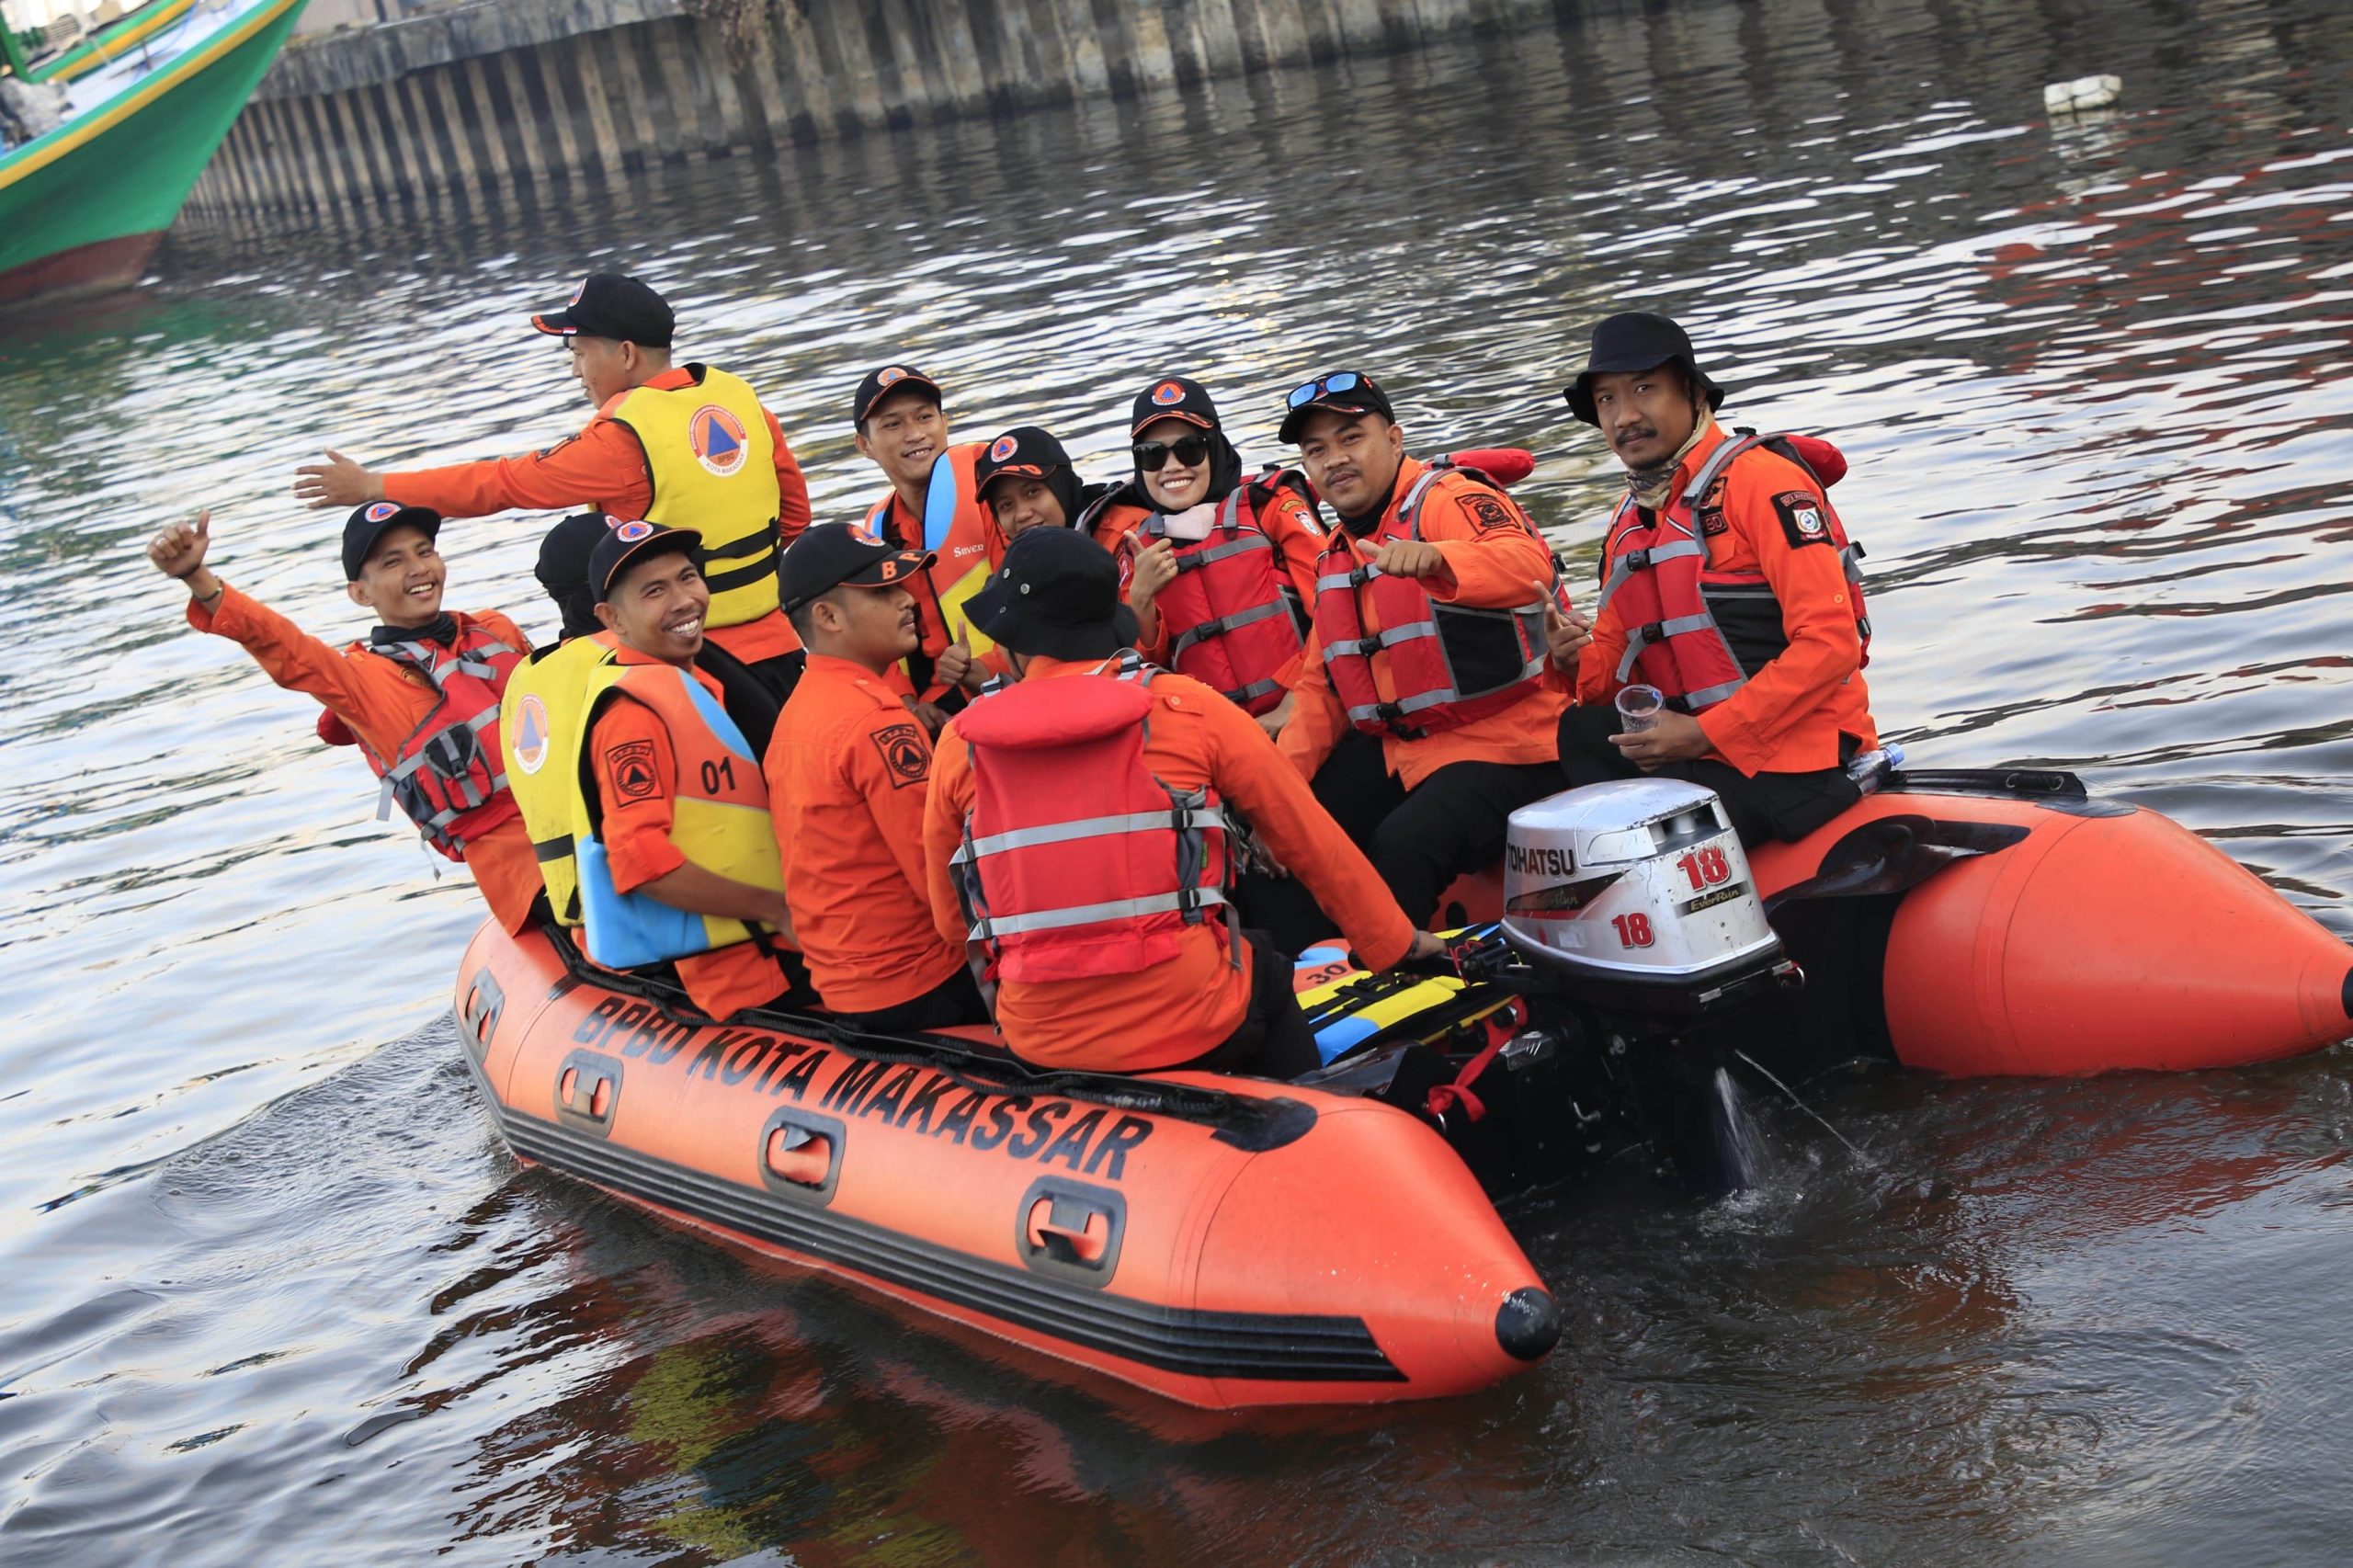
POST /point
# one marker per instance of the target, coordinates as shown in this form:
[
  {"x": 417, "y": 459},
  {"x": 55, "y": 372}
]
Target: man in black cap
[
  {"x": 848, "y": 775},
  {"x": 675, "y": 444},
  {"x": 677, "y": 856},
  {"x": 420, "y": 695},
  {"x": 1075, "y": 834},
  {"x": 934, "y": 504},
  {"x": 1427, "y": 639},
  {"x": 1729, "y": 584}
]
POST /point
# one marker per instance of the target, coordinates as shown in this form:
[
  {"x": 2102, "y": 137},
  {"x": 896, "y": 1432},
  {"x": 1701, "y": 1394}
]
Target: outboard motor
[{"x": 1635, "y": 896}]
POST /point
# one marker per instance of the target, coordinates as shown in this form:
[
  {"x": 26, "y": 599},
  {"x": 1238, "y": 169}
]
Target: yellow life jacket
[
  {"x": 719, "y": 820},
  {"x": 712, "y": 464},
  {"x": 541, "y": 724}
]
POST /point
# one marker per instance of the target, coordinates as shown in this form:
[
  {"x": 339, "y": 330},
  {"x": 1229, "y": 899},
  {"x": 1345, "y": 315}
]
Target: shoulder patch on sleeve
[
  {"x": 906, "y": 754},
  {"x": 1486, "y": 511},
  {"x": 629, "y": 771},
  {"x": 1803, "y": 516}
]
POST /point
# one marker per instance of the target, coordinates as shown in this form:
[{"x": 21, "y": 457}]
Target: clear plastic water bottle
[{"x": 1869, "y": 769}]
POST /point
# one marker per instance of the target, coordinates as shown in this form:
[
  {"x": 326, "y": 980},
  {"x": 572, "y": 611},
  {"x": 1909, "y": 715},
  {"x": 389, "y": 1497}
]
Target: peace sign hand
[{"x": 1565, "y": 631}]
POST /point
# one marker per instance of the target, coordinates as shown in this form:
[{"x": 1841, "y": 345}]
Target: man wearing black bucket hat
[
  {"x": 420, "y": 695},
  {"x": 1076, "y": 836},
  {"x": 684, "y": 444},
  {"x": 677, "y": 856},
  {"x": 1727, "y": 583}
]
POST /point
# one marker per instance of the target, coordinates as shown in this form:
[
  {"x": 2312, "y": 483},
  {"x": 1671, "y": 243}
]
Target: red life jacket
[
  {"x": 1233, "y": 619},
  {"x": 1447, "y": 664},
  {"x": 449, "y": 775},
  {"x": 1696, "y": 633},
  {"x": 1076, "y": 861}
]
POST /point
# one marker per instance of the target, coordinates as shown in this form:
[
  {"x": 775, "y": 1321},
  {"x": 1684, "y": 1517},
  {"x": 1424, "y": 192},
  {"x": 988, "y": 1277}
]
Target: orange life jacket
[
  {"x": 1060, "y": 781},
  {"x": 449, "y": 775},
  {"x": 1447, "y": 664},
  {"x": 1696, "y": 633},
  {"x": 1235, "y": 620}
]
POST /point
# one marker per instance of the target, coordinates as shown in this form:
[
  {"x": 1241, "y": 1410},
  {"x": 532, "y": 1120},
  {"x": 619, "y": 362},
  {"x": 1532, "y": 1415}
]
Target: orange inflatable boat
[{"x": 1223, "y": 1241}]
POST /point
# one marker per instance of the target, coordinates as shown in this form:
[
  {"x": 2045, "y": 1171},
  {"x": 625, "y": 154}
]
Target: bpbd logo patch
[
  {"x": 530, "y": 738},
  {"x": 1004, "y": 448},
  {"x": 1168, "y": 393},
  {"x": 382, "y": 509},
  {"x": 716, "y": 440}
]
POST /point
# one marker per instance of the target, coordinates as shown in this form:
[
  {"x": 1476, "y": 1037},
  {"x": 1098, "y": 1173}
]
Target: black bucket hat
[
  {"x": 1057, "y": 595},
  {"x": 1631, "y": 341}
]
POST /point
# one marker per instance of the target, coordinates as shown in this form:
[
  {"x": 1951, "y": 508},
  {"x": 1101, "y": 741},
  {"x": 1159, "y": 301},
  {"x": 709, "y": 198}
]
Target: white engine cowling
[{"x": 1637, "y": 888}]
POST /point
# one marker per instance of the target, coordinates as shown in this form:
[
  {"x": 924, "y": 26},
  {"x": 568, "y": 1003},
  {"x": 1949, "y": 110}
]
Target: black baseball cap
[
  {"x": 833, "y": 555},
  {"x": 1058, "y": 595},
  {"x": 1026, "y": 450},
  {"x": 1346, "y": 392},
  {"x": 1631, "y": 341},
  {"x": 367, "y": 525},
  {"x": 886, "y": 379},
  {"x": 610, "y": 305},
  {"x": 1172, "y": 397},
  {"x": 625, "y": 543},
  {"x": 563, "y": 568}
]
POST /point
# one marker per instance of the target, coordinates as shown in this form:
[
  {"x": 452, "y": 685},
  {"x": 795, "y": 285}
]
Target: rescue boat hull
[
  {"x": 1225, "y": 1242},
  {"x": 2031, "y": 929}
]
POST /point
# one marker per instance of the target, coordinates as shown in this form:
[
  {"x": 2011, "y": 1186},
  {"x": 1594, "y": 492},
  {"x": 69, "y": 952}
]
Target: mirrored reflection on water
[{"x": 272, "y": 1293}]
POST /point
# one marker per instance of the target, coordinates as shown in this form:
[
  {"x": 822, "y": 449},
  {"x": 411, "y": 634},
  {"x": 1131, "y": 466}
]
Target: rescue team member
[
  {"x": 1220, "y": 595},
  {"x": 848, "y": 775},
  {"x": 677, "y": 858},
  {"x": 674, "y": 444},
  {"x": 421, "y": 694},
  {"x": 1428, "y": 636},
  {"x": 1026, "y": 481},
  {"x": 1075, "y": 834},
  {"x": 934, "y": 505},
  {"x": 1727, "y": 584},
  {"x": 540, "y": 721}
]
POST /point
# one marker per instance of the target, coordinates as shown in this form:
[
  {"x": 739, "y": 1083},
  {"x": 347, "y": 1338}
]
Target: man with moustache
[
  {"x": 848, "y": 774},
  {"x": 1428, "y": 636},
  {"x": 1729, "y": 584},
  {"x": 684, "y": 444},
  {"x": 677, "y": 854}
]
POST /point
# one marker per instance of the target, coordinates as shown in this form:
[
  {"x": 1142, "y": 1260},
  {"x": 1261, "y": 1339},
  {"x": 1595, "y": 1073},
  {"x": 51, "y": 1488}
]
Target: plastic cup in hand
[{"x": 1639, "y": 707}]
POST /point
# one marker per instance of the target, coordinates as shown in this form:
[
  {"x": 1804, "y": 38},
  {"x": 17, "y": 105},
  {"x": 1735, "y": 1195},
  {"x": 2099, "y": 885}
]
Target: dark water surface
[{"x": 269, "y": 1291}]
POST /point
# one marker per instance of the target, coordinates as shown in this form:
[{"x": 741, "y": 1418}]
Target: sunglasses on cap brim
[
  {"x": 1338, "y": 382},
  {"x": 1153, "y": 456}
]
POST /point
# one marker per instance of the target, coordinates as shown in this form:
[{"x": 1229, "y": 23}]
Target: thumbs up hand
[
  {"x": 178, "y": 551},
  {"x": 954, "y": 665},
  {"x": 1565, "y": 631}
]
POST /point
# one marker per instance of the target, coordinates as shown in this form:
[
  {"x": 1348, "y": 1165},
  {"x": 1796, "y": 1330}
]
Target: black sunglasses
[{"x": 1153, "y": 456}]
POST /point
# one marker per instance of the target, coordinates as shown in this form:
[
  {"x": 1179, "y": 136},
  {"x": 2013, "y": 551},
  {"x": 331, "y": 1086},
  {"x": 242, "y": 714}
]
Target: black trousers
[
  {"x": 1763, "y": 807},
  {"x": 1273, "y": 1040},
  {"x": 1419, "y": 840},
  {"x": 955, "y": 1000}
]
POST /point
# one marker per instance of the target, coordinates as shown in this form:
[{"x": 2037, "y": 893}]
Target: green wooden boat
[{"x": 145, "y": 102}]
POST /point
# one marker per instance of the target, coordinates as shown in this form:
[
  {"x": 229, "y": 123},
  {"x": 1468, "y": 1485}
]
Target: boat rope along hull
[{"x": 1346, "y": 1256}]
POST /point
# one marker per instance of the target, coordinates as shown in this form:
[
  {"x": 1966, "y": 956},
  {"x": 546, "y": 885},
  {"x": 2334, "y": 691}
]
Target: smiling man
[
  {"x": 421, "y": 694},
  {"x": 677, "y": 858},
  {"x": 1728, "y": 582},
  {"x": 673, "y": 444},
  {"x": 848, "y": 773},
  {"x": 1427, "y": 637},
  {"x": 934, "y": 506}
]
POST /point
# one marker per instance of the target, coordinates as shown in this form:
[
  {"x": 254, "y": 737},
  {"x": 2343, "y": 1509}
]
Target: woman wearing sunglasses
[{"x": 1219, "y": 570}]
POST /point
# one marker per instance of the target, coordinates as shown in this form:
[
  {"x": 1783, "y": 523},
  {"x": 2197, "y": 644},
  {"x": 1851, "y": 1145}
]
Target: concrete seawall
[{"x": 531, "y": 89}]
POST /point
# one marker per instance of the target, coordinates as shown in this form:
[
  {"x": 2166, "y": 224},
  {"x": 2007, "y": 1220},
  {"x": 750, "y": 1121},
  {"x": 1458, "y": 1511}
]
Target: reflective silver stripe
[
  {"x": 1717, "y": 460},
  {"x": 1709, "y": 696},
  {"x": 1256, "y": 688},
  {"x": 1189, "y": 819},
  {"x": 1220, "y": 627},
  {"x": 1639, "y": 638},
  {"x": 1409, "y": 512},
  {"x": 1348, "y": 580},
  {"x": 1216, "y": 552},
  {"x": 1621, "y": 572},
  {"x": 407, "y": 766},
  {"x": 1095, "y": 914}
]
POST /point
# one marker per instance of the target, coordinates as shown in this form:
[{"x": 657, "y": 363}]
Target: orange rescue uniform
[
  {"x": 1789, "y": 715},
  {"x": 381, "y": 701},
  {"x": 636, "y": 835},
  {"x": 1289, "y": 527},
  {"x": 604, "y": 466},
  {"x": 1186, "y": 1007},
  {"x": 1486, "y": 567},
  {"x": 848, "y": 776}
]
